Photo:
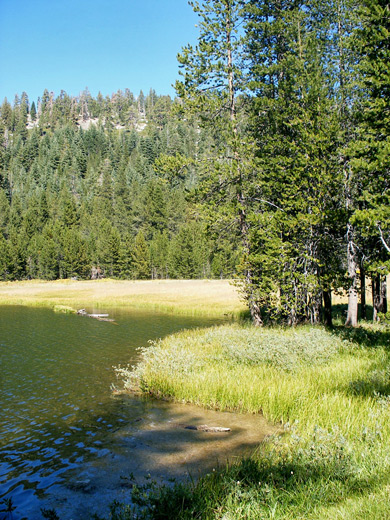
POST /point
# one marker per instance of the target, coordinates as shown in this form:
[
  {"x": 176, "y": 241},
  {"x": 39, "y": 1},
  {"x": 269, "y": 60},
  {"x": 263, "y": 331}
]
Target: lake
[{"x": 66, "y": 442}]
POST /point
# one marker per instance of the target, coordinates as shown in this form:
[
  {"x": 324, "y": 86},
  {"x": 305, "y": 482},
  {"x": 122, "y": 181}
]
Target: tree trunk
[
  {"x": 383, "y": 296},
  {"x": 316, "y": 309},
  {"x": 255, "y": 313},
  {"x": 363, "y": 305},
  {"x": 327, "y": 295},
  {"x": 254, "y": 308},
  {"x": 352, "y": 274},
  {"x": 376, "y": 296},
  {"x": 352, "y": 307}
]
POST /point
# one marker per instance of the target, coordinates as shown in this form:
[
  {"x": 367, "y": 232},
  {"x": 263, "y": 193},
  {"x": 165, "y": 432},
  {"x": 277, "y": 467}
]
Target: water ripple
[{"x": 56, "y": 410}]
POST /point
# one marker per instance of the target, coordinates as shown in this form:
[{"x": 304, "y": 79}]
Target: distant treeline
[{"x": 93, "y": 187}]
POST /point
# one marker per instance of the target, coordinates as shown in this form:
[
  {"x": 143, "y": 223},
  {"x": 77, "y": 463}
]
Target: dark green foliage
[
  {"x": 155, "y": 216},
  {"x": 160, "y": 263},
  {"x": 282, "y": 89},
  {"x": 33, "y": 111},
  {"x": 190, "y": 253},
  {"x": 140, "y": 258},
  {"x": 370, "y": 150},
  {"x": 97, "y": 183},
  {"x": 214, "y": 74},
  {"x": 6, "y": 114},
  {"x": 297, "y": 227}
]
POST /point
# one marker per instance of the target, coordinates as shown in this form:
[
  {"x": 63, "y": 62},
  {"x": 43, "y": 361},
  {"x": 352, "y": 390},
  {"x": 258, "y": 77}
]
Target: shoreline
[
  {"x": 329, "y": 389},
  {"x": 219, "y": 298}
]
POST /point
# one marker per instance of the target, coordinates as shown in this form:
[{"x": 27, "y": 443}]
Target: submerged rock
[{"x": 84, "y": 486}]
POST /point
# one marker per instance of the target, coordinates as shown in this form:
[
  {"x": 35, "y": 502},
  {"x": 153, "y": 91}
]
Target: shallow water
[{"x": 68, "y": 443}]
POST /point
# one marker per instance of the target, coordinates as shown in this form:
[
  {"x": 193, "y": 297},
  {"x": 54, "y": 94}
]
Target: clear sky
[{"x": 104, "y": 45}]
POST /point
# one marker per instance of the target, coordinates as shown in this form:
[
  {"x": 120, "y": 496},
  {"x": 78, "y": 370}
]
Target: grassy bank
[
  {"x": 329, "y": 389},
  {"x": 189, "y": 297}
]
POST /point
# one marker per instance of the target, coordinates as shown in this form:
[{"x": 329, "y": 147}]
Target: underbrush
[{"x": 331, "y": 392}]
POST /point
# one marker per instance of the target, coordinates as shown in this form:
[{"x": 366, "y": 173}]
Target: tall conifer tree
[
  {"x": 371, "y": 150},
  {"x": 297, "y": 213},
  {"x": 213, "y": 80}
]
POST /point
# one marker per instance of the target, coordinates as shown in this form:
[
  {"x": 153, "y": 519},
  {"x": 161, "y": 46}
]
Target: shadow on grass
[
  {"x": 377, "y": 378},
  {"x": 364, "y": 337},
  {"x": 376, "y": 382},
  {"x": 339, "y": 312},
  {"x": 294, "y": 481}
]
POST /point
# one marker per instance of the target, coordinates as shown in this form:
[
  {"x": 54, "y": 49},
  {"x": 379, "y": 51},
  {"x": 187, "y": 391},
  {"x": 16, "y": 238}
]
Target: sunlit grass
[
  {"x": 329, "y": 390},
  {"x": 63, "y": 309},
  {"x": 371, "y": 506},
  {"x": 183, "y": 297}
]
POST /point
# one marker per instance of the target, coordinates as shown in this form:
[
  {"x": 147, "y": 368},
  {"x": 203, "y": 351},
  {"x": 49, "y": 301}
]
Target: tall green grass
[{"x": 330, "y": 390}]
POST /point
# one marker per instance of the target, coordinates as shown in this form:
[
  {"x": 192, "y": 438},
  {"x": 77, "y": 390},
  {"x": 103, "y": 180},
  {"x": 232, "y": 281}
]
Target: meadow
[
  {"x": 329, "y": 390},
  {"x": 190, "y": 297}
]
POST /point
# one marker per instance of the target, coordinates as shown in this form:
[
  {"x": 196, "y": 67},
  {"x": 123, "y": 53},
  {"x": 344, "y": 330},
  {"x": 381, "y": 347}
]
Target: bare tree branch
[
  {"x": 270, "y": 203},
  {"x": 387, "y": 247}
]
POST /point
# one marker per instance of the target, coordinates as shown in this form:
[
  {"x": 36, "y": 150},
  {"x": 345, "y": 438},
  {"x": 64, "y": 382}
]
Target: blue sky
[{"x": 104, "y": 45}]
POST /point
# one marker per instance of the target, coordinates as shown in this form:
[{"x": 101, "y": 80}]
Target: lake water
[{"x": 66, "y": 442}]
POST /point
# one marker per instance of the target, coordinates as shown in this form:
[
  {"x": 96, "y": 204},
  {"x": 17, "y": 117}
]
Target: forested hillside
[
  {"x": 273, "y": 164},
  {"x": 99, "y": 187}
]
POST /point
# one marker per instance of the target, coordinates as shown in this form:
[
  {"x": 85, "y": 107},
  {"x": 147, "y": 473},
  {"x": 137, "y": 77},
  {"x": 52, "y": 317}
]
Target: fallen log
[
  {"x": 205, "y": 428},
  {"x": 100, "y": 317}
]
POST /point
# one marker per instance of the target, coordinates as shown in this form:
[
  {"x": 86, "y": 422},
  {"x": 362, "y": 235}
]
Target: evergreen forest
[
  {"x": 100, "y": 188},
  {"x": 270, "y": 166}
]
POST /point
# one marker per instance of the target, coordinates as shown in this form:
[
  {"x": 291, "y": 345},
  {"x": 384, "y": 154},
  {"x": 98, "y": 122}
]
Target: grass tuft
[{"x": 64, "y": 309}]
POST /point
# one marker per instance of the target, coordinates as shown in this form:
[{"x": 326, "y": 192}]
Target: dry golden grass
[
  {"x": 342, "y": 297},
  {"x": 194, "y": 297},
  {"x": 190, "y": 297}
]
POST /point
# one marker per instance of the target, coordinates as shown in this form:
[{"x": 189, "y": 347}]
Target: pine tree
[
  {"x": 4, "y": 213},
  {"x": 370, "y": 151},
  {"x": 213, "y": 76},
  {"x": 48, "y": 253},
  {"x": 74, "y": 262},
  {"x": 108, "y": 248},
  {"x": 159, "y": 255},
  {"x": 141, "y": 103},
  {"x": 33, "y": 111},
  {"x": 189, "y": 253},
  {"x": 154, "y": 212},
  {"x": 295, "y": 232},
  {"x": 6, "y": 113},
  {"x": 5, "y": 260},
  {"x": 141, "y": 258}
]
